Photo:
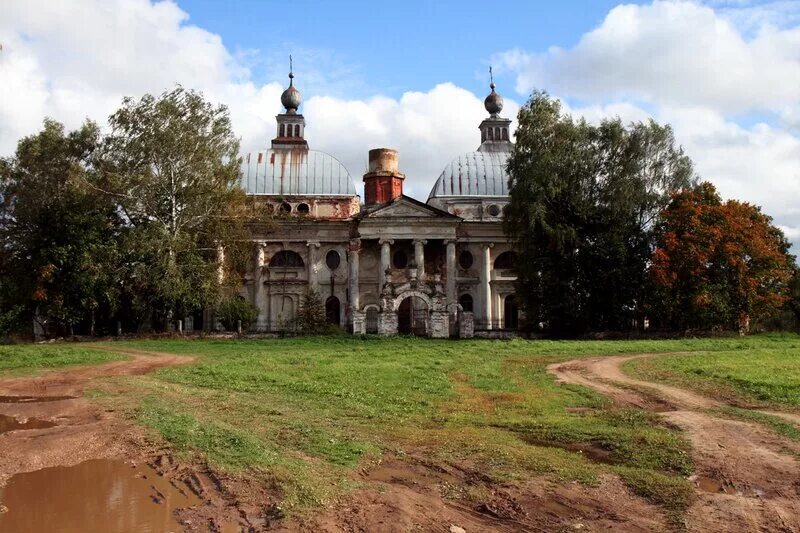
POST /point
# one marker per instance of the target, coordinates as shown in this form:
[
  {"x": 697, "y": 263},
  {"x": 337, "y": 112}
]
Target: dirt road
[{"x": 748, "y": 478}]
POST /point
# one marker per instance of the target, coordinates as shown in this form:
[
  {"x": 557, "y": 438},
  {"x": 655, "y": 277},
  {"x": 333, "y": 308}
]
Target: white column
[
  {"x": 486, "y": 288},
  {"x": 386, "y": 258},
  {"x": 451, "y": 272},
  {"x": 258, "y": 282},
  {"x": 313, "y": 282},
  {"x": 353, "y": 251},
  {"x": 419, "y": 257}
]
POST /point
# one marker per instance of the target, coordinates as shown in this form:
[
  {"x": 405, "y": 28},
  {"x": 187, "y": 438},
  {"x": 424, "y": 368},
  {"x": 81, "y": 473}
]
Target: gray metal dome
[
  {"x": 295, "y": 172},
  {"x": 474, "y": 174}
]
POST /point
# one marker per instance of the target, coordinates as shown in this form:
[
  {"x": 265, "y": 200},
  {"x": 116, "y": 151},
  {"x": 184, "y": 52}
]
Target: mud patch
[
  {"x": 34, "y": 399},
  {"x": 589, "y": 450},
  {"x": 96, "y": 495},
  {"x": 10, "y": 423}
]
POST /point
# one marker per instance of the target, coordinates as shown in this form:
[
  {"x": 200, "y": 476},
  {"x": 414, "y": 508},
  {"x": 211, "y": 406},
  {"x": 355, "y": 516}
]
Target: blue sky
[
  {"x": 412, "y": 75},
  {"x": 390, "y": 48}
]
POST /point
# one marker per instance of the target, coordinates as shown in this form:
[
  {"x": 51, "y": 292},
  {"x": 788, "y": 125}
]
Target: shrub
[{"x": 233, "y": 309}]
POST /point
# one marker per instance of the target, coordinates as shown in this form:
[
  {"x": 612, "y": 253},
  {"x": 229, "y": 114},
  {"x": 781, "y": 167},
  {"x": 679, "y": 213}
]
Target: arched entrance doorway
[
  {"x": 332, "y": 310},
  {"x": 510, "y": 312},
  {"x": 412, "y": 317}
]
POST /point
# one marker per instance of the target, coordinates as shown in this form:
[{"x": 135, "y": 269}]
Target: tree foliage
[
  {"x": 171, "y": 164},
  {"x": 59, "y": 235},
  {"x": 718, "y": 264},
  {"x": 311, "y": 318},
  {"x": 583, "y": 203},
  {"x": 125, "y": 226}
]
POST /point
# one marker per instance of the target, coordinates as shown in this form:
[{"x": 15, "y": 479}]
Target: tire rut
[{"x": 747, "y": 477}]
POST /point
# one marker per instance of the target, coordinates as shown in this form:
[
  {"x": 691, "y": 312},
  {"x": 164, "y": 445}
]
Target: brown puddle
[
  {"x": 9, "y": 423},
  {"x": 34, "y": 399},
  {"x": 97, "y": 495}
]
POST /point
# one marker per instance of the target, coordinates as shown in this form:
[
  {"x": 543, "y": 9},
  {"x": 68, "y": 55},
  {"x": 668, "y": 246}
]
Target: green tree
[
  {"x": 583, "y": 202},
  {"x": 58, "y": 234},
  {"x": 311, "y": 318},
  {"x": 171, "y": 164}
]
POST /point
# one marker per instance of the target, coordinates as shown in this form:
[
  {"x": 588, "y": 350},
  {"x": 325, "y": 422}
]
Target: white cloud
[
  {"x": 670, "y": 52},
  {"x": 701, "y": 70},
  {"x": 79, "y": 59}
]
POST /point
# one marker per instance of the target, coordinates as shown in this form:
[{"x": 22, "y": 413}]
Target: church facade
[{"x": 389, "y": 264}]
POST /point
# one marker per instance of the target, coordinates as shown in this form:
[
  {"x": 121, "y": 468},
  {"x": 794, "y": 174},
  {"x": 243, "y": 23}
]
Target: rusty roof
[
  {"x": 474, "y": 174},
  {"x": 295, "y": 172}
]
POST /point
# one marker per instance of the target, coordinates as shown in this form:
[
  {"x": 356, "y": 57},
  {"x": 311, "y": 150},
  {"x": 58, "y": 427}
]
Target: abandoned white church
[{"x": 390, "y": 264}]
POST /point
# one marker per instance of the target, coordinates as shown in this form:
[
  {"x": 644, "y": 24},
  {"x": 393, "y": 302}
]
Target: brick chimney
[{"x": 383, "y": 182}]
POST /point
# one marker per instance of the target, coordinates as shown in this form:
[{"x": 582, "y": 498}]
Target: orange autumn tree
[{"x": 717, "y": 265}]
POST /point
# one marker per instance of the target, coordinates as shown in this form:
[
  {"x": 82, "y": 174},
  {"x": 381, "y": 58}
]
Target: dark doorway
[
  {"x": 372, "y": 321},
  {"x": 332, "y": 310},
  {"x": 412, "y": 317},
  {"x": 510, "y": 312}
]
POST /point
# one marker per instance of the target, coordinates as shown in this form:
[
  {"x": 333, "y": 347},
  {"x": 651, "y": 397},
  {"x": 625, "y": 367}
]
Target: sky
[{"x": 412, "y": 75}]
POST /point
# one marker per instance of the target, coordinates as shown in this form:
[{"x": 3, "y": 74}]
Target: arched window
[
  {"x": 287, "y": 259},
  {"x": 505, "y": 134},
  {"x": 297, "y": 130},
  {"x": 466, "y": 302},
  {"x": 505, "y": 261},
  {"x": 282, "y": 131},
  {"x": 490, "y": 133}
]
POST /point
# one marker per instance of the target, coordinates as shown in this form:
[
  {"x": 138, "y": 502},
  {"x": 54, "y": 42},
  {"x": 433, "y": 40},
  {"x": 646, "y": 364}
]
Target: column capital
[
  {"x": 420, "y": 241},
  {"x": 385, "y": 241},
  {"x": 487, "y": 245},
  {"x": 315, "y": 244},
  {"x": 354, "y": 246}
]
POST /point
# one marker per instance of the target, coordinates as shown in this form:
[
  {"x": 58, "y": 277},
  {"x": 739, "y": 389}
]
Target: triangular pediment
[{"x": 405, "y": 207}]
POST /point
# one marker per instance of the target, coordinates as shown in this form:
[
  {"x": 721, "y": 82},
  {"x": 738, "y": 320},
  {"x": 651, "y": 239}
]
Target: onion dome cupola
[
  {"x": 291, "y": 124},
  {"x": 494, "y": 102},
  {"x": 291, "y": 97},
  {"x": 495, "y": 130}
]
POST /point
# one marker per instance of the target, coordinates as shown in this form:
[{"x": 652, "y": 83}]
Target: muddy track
[
  {"x": 747, "y": 477},
  {"x": 81, "y": 431}
]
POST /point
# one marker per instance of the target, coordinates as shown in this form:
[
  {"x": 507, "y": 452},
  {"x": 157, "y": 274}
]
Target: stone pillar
[
  {"x": 451, "y": 273},
  {"x": 258, "y": 286},
  {"x": 356, "y": 316},
  {"x": 386, "y": 259},
  {"x": 485, "y": 286},
  {"x": 419, "y": 257},
  {"x": 313, "y": 282}
]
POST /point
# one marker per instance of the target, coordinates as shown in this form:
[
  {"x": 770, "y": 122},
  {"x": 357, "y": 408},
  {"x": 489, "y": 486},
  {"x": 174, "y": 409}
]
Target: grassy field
[
  {"x": 20, "y": 359},
  {"x": 305, "y": 413},
  {"x": 767, "y": 377}
]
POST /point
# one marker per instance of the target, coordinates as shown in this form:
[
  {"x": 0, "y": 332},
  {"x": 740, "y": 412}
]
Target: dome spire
[
  {"x": 291, "y": 98},
  {"x": 493, "y": 102}
]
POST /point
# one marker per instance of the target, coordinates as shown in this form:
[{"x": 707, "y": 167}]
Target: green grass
[
  {"x": 23, "y": 359},
  {"x": 769, "y": 376},
  {"x": 305, "y": 414}
]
